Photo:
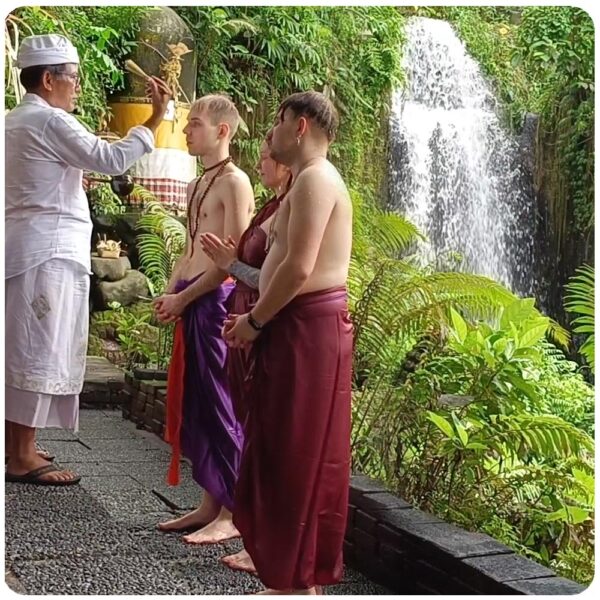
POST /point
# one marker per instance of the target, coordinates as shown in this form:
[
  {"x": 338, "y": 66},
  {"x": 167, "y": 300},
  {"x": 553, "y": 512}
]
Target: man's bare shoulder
[
  {"x": 193, "y": 182},
  {"x": 322, "y": 177},
  {"x": 236, "y": 177},
  {"x": 235, "y": 187}
]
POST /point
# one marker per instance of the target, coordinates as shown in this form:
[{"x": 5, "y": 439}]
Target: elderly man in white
[{"x": 48, "y": 240}]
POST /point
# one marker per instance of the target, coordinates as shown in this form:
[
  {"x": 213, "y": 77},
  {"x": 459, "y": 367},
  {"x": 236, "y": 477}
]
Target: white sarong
[{"x": 46, "y": 325}]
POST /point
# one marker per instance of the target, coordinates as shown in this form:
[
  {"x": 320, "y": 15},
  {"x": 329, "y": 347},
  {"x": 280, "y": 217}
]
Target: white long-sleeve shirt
[{"x": 46, "y": 210}]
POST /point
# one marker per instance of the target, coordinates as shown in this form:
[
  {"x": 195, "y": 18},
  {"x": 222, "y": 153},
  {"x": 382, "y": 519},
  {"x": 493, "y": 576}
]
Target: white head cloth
[{"x": 48, "y": 49}]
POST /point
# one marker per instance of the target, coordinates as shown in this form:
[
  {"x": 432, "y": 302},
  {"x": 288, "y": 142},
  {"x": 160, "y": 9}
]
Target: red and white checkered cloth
[{"x": 170, "y": 192}]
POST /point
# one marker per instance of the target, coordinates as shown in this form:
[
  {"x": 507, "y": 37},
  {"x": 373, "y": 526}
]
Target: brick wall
[
  {"x": 145, "y": 403},
  {"x": 412, "y": 552}
]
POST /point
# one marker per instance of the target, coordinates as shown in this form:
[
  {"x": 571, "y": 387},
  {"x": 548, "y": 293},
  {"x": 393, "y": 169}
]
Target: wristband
[{"x": 254, "y": 323}]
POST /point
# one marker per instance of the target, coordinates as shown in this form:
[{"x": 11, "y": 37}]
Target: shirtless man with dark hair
[{"x": 291, "y": 499}]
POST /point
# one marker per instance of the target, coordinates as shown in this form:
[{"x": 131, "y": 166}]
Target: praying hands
[{"x": 221, "y": 252}]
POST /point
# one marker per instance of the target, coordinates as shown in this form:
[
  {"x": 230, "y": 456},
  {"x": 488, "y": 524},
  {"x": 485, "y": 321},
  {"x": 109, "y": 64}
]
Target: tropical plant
[
  {"x": 563, "y": 391},
  {"x": 580, "y": 301},
  {"x": 142, "y": 341},
  {"x": 393, "y": 301},
  {"x": 466, "y": 433},
  {"x": 103, "y": 201},
  {"x": 459, "y": 398},
  {"x": 160, "y": 241}
]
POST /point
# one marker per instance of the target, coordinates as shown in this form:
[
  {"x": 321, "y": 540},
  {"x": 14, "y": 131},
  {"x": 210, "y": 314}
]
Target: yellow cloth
[{"x": 168, "y": 135}]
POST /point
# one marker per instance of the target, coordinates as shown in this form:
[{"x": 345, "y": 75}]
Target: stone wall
[
  {"x": 410, "y": 551},
  {"x": 145, "y": 403}
]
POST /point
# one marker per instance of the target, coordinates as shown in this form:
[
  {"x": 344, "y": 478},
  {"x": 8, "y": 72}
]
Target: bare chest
[
  {"x": 278, "y": 227},
  {"x": 205, "y": 211}
]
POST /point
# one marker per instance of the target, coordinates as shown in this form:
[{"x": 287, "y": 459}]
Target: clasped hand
[
  {"x": 237, "y": 332},
  {"x": 168, "y": 307}
]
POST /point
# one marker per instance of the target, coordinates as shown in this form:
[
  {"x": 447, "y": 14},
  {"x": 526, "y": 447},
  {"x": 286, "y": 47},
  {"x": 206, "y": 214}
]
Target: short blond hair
[{"x": 220, "y": 109}]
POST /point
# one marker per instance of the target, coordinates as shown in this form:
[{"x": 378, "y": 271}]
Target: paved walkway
[{"x": 100, "y": 537}]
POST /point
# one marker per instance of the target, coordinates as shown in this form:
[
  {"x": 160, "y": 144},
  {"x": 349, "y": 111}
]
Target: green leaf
[
  {"x": 577, "y": 515},
  {"x": 476, "y": 446},
  {"x": 441, "y": 423},
  {"x": 528, "y": 389},
  {"x": 500, "y": 345},
  {"x": 517, "y": 312},
  {"x": 460, "y": 327},
  {"x": 462, "y": 432},
  {"x": 533, "y": 333},
  {"x": 531, "y": 353},
  {"x": 558, "y": 515},
  {"x": 580, "y": 301}
]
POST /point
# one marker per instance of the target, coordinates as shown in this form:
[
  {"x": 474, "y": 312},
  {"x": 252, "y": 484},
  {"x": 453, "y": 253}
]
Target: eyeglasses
[{"x": 74, "y": 77}]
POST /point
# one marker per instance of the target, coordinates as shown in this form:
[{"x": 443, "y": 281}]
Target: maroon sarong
[
  {"x": 291, "y": 499},
  {"x": 252, "y": 251}
]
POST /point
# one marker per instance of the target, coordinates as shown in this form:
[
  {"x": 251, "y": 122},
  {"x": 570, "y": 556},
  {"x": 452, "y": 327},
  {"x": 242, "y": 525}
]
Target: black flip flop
[{"x": 33, "y": 477}]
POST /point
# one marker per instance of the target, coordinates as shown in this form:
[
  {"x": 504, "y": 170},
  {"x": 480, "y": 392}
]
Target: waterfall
[{"x": 455, "y": 170}]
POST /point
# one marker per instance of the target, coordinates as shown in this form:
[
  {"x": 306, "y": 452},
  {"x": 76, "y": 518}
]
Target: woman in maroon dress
[{"x": 244, "y": 263}]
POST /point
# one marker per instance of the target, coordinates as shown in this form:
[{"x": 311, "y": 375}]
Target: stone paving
[{"x": 100, "y": 537}]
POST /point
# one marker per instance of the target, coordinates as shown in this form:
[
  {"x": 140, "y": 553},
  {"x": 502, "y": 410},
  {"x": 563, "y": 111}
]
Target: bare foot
[
  {"x": 313, "y": 591},
  {"x": 221, "y": 529},
  {"x": 240, "y": 562},
  {"x": 40, "y": 452},
  {"x": 44, "y": 454},
  {"x": 192, "y": 520}
]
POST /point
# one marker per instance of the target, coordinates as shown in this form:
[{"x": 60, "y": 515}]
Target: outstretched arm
[{"x": 74, "y": 145}]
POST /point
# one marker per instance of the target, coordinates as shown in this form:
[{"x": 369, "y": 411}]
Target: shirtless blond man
[
  {"x": 291, "y": 498},
  {"x": 201, "y": 422}
]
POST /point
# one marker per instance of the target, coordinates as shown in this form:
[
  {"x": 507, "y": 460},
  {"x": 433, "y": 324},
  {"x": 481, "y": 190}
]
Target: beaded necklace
[{"x": 193, "y": 225}]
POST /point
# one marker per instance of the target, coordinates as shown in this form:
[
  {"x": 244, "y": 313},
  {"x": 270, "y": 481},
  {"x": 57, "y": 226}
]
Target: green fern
[
  {"x": 544, "y": 436},
  {"x": 580, "y": 301},
  {"x": 161, "y": 242},
  {"x": 392, "y": 299}
]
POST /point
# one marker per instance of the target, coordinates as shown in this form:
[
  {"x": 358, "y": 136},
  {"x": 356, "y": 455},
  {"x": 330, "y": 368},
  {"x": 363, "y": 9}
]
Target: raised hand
[
  {"x": 221, "y": 252},
  {"x": 159, "y": 93}
]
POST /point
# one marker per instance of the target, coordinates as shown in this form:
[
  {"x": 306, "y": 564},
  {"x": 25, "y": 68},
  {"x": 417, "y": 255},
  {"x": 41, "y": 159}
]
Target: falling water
[{"x": 455, "y": 171}]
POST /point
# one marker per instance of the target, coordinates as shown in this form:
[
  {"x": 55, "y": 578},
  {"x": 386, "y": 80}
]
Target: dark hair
[
  {"x": 31, "y": 77},
  {"x": 315, "y": 106}
]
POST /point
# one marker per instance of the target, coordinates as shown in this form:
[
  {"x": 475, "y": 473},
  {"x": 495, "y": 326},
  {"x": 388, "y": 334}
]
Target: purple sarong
[{"x": 211, "y": 437}]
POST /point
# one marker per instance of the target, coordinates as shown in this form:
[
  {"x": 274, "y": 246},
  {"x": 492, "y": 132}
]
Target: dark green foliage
[{"x": 260, "y": 55}]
